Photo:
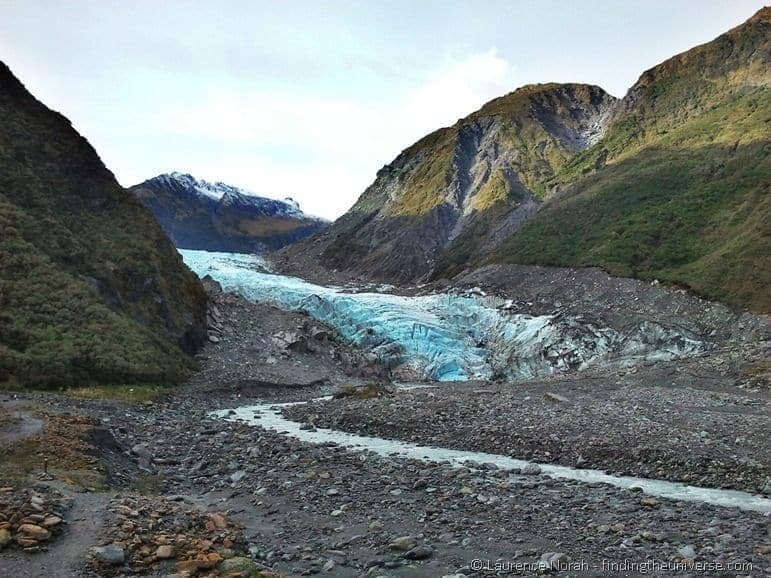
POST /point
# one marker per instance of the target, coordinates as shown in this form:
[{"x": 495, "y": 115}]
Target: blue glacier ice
[{"x": 443, "y": 336}]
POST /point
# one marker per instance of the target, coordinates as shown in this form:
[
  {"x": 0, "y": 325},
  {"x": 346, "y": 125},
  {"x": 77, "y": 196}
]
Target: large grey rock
[
  {"x": 144, "y": 454},
  {"x": 552, "y": 561},
  {"x": 236, "y": 477},
  {"x": 531, "y": 470},
  {"x": 111, "y": 555},
  {"x": 403, "y": 543},
  {"x": 419, "y": 553},
  {"x": 142, "y": 451}
]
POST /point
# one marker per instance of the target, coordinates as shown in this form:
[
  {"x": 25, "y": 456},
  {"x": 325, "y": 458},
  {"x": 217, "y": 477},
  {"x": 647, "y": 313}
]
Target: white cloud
[
  {"x": 458, "y": 88},
  {"x": 325, "y": 150}
]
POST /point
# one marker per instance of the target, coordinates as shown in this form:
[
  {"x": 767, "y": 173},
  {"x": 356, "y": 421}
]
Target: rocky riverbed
[
  {"x": 162, "y": 486},
  {"x": 308, "y": 509},
  {"x": 682, "y": 421}
]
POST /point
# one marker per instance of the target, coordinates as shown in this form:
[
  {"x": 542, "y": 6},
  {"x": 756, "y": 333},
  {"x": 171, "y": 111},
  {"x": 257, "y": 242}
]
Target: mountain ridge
[
  {"x": 495, "y": 161},
  {"x": 699, "y": 114},
  {"x": 681, "y": 178},
  {"x": 197, "y": 214}
]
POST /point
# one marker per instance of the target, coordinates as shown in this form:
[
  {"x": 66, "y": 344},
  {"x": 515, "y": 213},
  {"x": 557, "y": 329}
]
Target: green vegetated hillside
[
  {"x": 91, "y": 289},
  {"x": 670, "y": 182},
  {"x": 678, "y": 188}
]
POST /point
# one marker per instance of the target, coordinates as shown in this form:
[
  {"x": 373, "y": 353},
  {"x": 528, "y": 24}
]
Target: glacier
[{"x": 446, "y": 336}]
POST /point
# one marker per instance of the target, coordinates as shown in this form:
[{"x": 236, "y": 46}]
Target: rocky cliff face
[
  {"x": 197, "y": 214},
  {"x": 670, "y": 182},
  {"x": 464, "y": 187},
  {"x": 91, "y": 289}
]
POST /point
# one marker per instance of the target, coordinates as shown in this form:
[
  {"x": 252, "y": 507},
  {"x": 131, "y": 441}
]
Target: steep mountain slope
[
  {"x": 678, "y": 189},
  {"x": 91, "y": 290},
  {"x": 197, "y": 214},
  {"x": 465, "y": 186},
  {"x": 671, "y": 182}
]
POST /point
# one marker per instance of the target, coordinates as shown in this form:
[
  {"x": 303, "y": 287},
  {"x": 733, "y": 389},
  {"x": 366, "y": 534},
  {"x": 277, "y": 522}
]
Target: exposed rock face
[
  {"x": 197, "y": 214},
  {"x": 91, "y": 289},
  {"x": 669, "y": 183},
  {"x": 464, "y": 187}
]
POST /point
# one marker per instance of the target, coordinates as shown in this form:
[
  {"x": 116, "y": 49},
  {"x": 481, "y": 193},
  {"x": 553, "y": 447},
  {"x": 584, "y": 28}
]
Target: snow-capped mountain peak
[
  {"x": 292, "y": 202},
  {"x": 215, "y": 216},
  {"x": 227, "y": 194}
]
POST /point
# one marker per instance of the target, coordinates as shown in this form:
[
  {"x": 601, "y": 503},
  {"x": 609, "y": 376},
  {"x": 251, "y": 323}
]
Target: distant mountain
[
  {"x": 91, "y": 289},
  {"x": 670, "y": 182},
  {"x": 197, "y": 214}
]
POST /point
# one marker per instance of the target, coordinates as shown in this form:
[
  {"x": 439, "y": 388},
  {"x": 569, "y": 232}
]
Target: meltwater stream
[
  {"x": 269, "y": 416},
  {"x": 446, "y": 336},
  {"x": 454, "y": 337}
]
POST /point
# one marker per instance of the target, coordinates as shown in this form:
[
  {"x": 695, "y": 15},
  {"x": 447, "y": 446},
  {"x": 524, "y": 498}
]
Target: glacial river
[
  {"x": 269, "y": 416},
  {"x": 445, "y": 337}
]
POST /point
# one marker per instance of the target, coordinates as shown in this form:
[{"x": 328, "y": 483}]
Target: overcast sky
[{"x": 310, "y": 99}]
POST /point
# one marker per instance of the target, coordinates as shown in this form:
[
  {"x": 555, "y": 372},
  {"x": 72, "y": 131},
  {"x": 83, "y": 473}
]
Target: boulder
[
  {"x": 553, "y": 561},
  {"x": 111, "y": 555},
  {"x": 423, "y": 552},
  {"x": 34, "y": 531},
  {"x": 239, "y": 564},
  {"x": 531, "y": 470},
  {"x": 164, "y": 552},
  {"x": 403, "y": 543}
]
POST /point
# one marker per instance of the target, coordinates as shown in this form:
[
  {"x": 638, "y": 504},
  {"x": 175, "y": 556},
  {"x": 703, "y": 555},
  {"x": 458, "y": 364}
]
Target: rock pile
[
  {"x": 214, "y": 319},
  {"x": 161, "y": 534},
  {"x": 30, "y": 518},
  {"x": 214, "y": 324},
  {"x": 308, "y": 337},
  {"x": 253, "y": 344}
]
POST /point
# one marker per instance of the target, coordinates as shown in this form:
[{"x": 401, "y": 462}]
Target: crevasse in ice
[{"x": 444, "y": 336}]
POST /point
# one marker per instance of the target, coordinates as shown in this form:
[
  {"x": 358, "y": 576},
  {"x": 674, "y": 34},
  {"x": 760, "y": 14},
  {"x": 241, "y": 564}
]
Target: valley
[
  {"x": 537, "y": 343},
  {"x": 628, "y": 460}
]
